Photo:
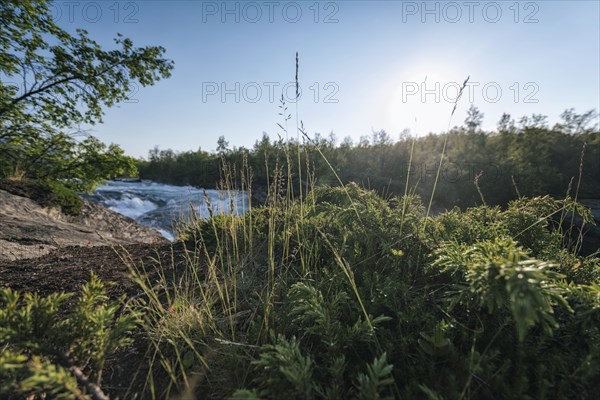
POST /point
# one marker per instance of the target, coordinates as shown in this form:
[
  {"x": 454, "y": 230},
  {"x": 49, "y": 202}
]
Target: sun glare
[{"x": 421, "y": 98}]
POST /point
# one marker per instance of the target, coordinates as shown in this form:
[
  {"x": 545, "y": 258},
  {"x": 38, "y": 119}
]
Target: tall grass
[{"x": 337, "y": 293}]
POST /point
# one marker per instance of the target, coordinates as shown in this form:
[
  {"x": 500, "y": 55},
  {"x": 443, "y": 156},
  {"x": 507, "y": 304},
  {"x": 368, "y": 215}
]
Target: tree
[
  {"x": 536, "y": 121},
  {"x": 506, "y": 124},
  {"x": 381, "y": 138},
  {"x": 55, "y": 81},
  {"x": 363, "y": 141},
  {"x": 222, "y": 145},
  {"x": 474, "y": 119},
  {"x": 347, "y": 142},
  {"x": 573, "y": 123}
]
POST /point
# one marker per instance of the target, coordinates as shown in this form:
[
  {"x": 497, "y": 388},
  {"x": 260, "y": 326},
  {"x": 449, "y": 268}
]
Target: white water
[
  {"x": 163, "y": 206},
  {"x": 130, "y": 205}
]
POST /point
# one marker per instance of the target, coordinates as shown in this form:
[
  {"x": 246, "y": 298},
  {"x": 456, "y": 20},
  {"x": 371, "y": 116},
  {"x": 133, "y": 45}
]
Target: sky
[{"x": 363, "y": 66}]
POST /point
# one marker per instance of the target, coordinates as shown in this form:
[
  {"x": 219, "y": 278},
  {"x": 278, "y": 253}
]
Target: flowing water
[{"x": 162, "y": 206}]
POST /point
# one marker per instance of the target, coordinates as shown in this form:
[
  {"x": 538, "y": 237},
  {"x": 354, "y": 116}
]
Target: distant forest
[{"x": 523, "y": 158}]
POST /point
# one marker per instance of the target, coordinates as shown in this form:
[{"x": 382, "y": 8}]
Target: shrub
[
  {"x": 49, "y": 348},
  {"x": 348, "y": 295},
  {"x": 69, "y": 201}
]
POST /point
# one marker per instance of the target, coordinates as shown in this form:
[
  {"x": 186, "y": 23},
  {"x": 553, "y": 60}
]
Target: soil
[{"x": 69, "y": 268}]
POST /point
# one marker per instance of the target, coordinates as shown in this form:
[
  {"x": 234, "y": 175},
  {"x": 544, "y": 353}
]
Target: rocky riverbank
[{"x": 29, "y": 228}]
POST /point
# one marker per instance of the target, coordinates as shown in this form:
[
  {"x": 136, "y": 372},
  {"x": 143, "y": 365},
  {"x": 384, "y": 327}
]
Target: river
[{"x": 163, "y": 206}]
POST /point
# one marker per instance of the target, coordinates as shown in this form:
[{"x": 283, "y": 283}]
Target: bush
[
  {"x": 69, "y": 201},
  {"x": 47, "y": 350},
  {"x": 46, "y": 194},
  {"x": 355, "y": 296},
  {"x": 348, "y": 295}
]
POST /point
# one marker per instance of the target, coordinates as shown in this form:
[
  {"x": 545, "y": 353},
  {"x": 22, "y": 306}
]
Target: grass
[
  {"x": 316, "y": 303},
  {"x": 336, "y": 292}
]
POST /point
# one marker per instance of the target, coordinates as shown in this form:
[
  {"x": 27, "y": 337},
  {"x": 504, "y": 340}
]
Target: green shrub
[
  {"x": 51, "y": 349},
  {"x": 348, "y": 295},
  {"x": 69, "y": 201}
]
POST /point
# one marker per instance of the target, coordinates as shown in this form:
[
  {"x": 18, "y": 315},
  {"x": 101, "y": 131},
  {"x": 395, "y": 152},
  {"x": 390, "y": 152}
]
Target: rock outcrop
[{"x": 28, "y": 229}]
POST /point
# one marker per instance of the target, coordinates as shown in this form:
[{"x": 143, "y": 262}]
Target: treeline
[{"x": 524, "y": 158}]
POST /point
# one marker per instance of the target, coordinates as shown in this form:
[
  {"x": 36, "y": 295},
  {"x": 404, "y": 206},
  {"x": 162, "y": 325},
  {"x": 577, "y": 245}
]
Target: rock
[{"x": 28, "y": 229}]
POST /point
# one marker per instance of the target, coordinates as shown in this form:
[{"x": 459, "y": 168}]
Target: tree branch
[
  {"x": 34, "y": 92},
  {"x": 94, "y": 389},
  {"x": 66, "y": 79}
]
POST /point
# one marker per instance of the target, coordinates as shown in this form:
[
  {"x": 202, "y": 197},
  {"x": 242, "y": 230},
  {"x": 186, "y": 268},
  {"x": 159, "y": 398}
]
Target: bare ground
[{"x": 69, "y": 268}]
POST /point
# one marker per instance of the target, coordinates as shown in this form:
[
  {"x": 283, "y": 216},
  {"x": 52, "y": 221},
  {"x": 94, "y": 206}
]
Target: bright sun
[{"x": 421, "y": 98}]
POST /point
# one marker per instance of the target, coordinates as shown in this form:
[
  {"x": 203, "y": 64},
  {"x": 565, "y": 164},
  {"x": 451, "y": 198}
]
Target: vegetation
[
  {"x": 46, "y": 194},
  {"x": 329, "y": 290},
  {"x": 343, "y": 295},
  {"x": 348, "y": 295},
  {"x": 50, "y": 83},
  {"x": 525, "y": 159},
  {"x": 70, "y": 203},
  {"x": 48, "y": 352},
  {"x": 337, "y": 292}
]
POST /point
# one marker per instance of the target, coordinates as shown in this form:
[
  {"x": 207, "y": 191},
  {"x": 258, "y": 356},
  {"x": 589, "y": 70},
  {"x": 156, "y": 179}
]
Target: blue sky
[{"x": 364, "y": 65}]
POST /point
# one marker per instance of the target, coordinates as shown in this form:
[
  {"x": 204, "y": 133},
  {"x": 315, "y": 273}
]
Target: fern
[{"x": 502, "y": 277}]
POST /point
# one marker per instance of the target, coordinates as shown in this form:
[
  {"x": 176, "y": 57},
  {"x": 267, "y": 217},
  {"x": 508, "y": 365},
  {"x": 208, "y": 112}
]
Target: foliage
[
  {"x": 373, "y": 384},
  {"x": 49, "y": 351},
  {"x": 287, "y": 372},
  {"x": 348, "y": 295},
  {"x": 25, "y": 375},
  {"x": 68, "y": 200},
  {"x": 52, "y": 82},
  {"x": 345, "y": 295},
  {"x": 500, "y": 276},
  {"x": 529, "y": 159},
  {"x": 328, "y": 291},
  {"x": 46, "y": 194}
]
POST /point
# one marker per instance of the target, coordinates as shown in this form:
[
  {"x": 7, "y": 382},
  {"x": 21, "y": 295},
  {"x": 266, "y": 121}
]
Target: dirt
[
  {"x": 43, "y": 250},
  {"x": 69, "y": 268}
]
